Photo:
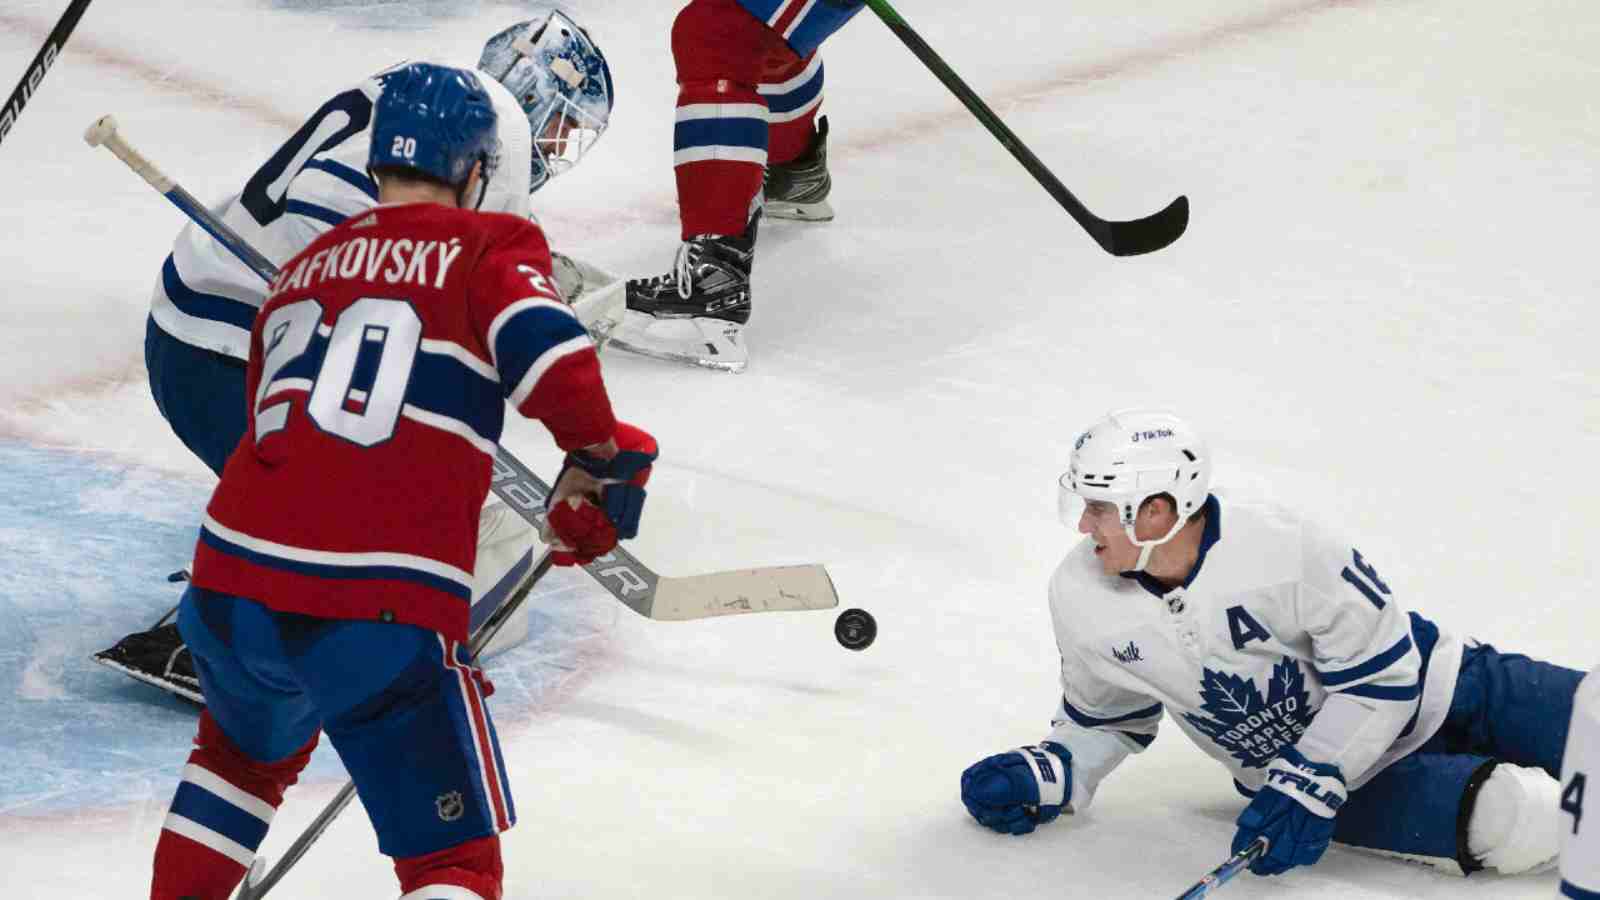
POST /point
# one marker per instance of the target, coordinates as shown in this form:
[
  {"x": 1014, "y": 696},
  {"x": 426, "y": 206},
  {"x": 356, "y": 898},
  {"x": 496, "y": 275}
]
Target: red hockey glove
[{"x": 599, "y": 497}]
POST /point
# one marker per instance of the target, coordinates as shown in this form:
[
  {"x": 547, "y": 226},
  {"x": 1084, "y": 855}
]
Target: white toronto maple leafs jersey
[
  {"x": 1580, "y": 767},
  {"x": 206, "y": 297},
  {"x": 1284, "y": 634}
]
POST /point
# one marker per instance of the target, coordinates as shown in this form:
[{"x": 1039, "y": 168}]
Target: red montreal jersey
[{"x": 379, "y": 370}]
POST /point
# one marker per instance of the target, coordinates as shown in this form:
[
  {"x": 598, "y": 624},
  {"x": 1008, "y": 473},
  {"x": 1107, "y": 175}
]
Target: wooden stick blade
[
  {"x": 1148, "y": 234},
  {"x": 772, "y": 589}
]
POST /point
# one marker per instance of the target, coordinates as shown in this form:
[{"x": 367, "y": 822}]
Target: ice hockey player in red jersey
[
  {"x": 552, "y": 90},
  {"x": 749, "y": 88},
  {"x": 332, "y": 576}
]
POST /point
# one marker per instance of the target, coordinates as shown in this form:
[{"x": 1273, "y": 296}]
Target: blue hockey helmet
[
  {"x": 558, "y": 75},
  {"x": 434, "y": 120}
]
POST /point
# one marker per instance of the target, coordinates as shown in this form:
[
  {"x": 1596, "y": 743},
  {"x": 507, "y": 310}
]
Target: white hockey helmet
[{"x": 1130, "y": 456}]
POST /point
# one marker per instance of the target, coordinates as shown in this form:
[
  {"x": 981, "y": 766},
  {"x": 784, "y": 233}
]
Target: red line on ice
[{"x": 154, "y": 76}]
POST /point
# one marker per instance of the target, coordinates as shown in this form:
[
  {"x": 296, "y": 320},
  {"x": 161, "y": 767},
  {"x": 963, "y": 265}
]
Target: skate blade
[
  {"x": 191, "y": 694},
  {"x": 820, "y": 211},
  {"x": 707, "y": 343}
]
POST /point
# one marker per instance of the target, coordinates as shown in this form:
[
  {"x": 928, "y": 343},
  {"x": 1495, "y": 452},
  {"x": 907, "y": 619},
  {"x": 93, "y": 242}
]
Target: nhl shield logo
[{"x": 449, "y": 806}]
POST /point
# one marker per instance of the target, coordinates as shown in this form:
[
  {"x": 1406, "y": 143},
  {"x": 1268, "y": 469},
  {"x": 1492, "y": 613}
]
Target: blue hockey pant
[
  {"x": 1505, "y": 708},
  {"x": 199, "y": 392},
  {"x": 400, "y": 704}
]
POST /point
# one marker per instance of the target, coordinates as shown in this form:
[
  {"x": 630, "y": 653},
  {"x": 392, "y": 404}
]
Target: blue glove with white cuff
[
  {"x": 1294, "y": 811},
  {"x": 1014, "y": 791}
]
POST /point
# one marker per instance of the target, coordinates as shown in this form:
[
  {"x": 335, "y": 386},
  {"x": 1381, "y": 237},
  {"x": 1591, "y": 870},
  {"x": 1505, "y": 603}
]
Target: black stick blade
[{"x": 1145, "y": 235}]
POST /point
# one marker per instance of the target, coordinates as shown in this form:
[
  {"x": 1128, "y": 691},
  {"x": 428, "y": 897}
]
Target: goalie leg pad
[
  {"x": 505, "y": 556},
  {"x": 199, "y": 393},
  {"x": 1515, "y": 824}
]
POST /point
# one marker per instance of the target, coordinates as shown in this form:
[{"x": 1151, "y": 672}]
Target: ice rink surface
[{"x": 1383, "y": 309}]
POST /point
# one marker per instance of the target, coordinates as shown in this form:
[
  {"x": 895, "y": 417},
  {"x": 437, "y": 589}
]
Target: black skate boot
[
  {"x": 696, "y": 313},
  {"x": 711, "y": 279},
  {"x": 799, "y": 189},
  {"x": 158, "y": 657}
]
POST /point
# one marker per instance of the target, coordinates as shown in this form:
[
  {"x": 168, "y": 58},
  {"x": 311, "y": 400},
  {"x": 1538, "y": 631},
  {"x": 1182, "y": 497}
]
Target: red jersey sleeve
[{"x": 547, "y": 364}]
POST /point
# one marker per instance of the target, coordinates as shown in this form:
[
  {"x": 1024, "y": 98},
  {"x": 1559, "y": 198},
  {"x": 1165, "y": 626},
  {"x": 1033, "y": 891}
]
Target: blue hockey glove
[
  {"x": 1014, "y": 791},
  {"x": 1294, "y": 811}
]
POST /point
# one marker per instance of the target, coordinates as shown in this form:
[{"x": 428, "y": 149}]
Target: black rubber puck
[{"x": 856, "y": 629}]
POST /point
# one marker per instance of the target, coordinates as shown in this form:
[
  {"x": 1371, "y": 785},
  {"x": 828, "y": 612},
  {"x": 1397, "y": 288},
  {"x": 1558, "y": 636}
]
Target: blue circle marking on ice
[{"x": 87, "y": 545}]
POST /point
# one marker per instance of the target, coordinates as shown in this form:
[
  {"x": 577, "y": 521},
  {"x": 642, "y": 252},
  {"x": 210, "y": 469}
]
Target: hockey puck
[{"x": 855, "y": 629}]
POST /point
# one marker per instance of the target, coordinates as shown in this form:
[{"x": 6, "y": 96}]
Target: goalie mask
[
  {"x": 1127, "y": 458},
  {"x": 560, "y": 78}
]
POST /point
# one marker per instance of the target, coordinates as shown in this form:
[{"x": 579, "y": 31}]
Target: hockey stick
[
  {"x": 1220, "y": 876},
  {"x": 666, "y": 599},
  {"x": 42, "y": 61},
  {"x": 257, "y": 880},
  {"x": 1128, "y": 238},
  {"x": 769, "y": 589}
]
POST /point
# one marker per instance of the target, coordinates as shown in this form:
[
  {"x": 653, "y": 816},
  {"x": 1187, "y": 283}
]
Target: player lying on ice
[
  {"x": 331, "y": 588},
  {"x": 552, "y": 90},
  {"x": 1278, "y": 649}
]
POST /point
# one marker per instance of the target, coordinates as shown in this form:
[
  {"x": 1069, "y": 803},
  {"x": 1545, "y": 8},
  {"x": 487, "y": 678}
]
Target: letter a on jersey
[{"x": 1244, "y": 628}]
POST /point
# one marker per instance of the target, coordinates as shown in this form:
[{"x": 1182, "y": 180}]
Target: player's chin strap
[{"x": 1146, "y": 548}]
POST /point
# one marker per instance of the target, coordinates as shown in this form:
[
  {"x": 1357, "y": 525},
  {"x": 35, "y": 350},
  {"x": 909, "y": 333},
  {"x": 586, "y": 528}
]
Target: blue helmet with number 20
[
  {"x": 560, "y": 78},
  {"x": 436, "y": 121}
]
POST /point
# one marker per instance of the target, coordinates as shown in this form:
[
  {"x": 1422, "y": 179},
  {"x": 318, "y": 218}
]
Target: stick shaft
[
  {"x": 1222, "y": 874},
  {"x": 104, "y": 133},
  {"x": 42, "y": 61},
  {"x": 1119, "y": 238},
  {"x": 990, "y": 120}
]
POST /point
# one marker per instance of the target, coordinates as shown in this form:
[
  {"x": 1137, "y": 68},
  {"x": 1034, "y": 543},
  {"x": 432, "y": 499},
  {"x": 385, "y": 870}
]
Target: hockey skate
[
  {"x": 696, "y": 313},
  {"x": 158, "y": 657},
  {"x": 799, "y": 189}
]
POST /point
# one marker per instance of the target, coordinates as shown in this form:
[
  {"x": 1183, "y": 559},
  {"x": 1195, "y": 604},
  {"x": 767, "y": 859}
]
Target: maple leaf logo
[{"x": 1252, "y": 728}]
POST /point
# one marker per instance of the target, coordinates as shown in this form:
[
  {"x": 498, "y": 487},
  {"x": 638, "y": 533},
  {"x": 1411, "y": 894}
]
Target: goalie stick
[
  {"x": 42, "y": 61},
  {"x": 1127, "y": 238},
  {"x": 258, "y": 880},
  {"x": 1220, "y": 876},
  {"x": 769, "y": 589}
]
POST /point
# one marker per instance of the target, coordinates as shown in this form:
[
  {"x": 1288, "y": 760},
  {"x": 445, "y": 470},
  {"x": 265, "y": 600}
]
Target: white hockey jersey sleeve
[
  {"x": 1364, "y": 656},
  {"x": 1100, "y": 734},
  {"x": 1100, "y": 723}
]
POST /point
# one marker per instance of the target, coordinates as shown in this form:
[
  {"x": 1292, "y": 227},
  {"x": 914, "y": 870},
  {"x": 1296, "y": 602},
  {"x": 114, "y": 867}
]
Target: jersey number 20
[{"x": 359, "y": 389}]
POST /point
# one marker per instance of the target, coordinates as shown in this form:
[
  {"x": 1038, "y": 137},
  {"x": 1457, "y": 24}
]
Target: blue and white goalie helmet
[
  {"x": 436, "y": 121},
  {"x": 1130, "y": 456},
  {"x": 556, "y": 72}
]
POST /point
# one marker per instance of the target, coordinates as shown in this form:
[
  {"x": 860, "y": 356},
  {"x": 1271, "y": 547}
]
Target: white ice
[{"x": 1383, "y": 309}]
